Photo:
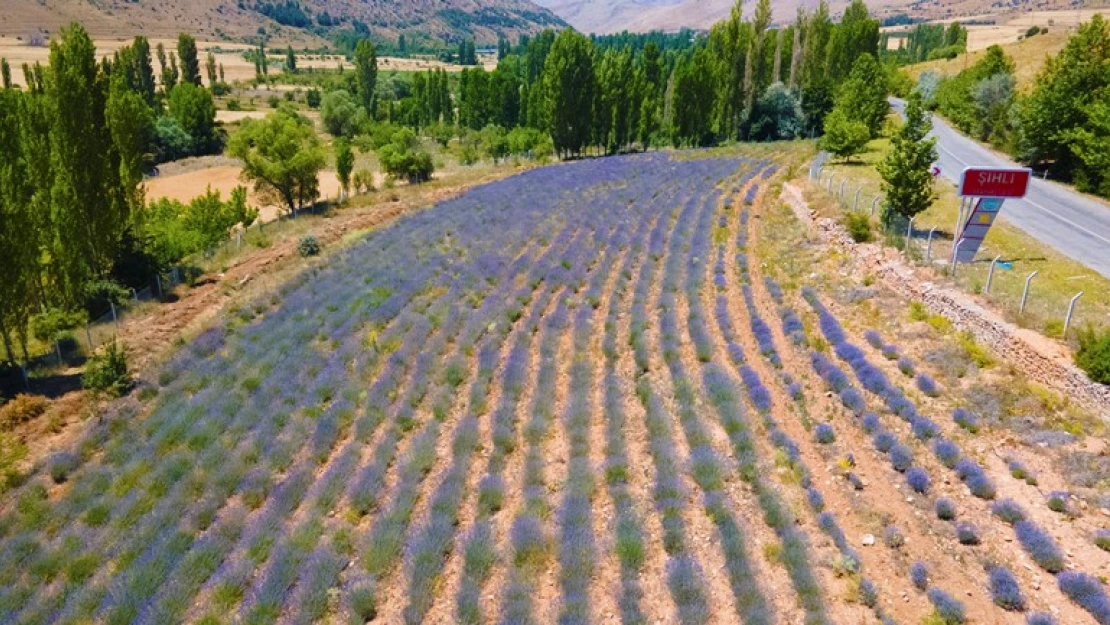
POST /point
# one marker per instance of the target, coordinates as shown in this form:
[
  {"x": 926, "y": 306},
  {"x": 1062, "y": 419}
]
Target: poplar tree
[
  {"x": 210, "y": 69},
  {"x": 570, "y": 85},
  {"x": 190, "y": 64},
  {"x": 366, "y": 74},
  {"x": 88, "y": 205}
]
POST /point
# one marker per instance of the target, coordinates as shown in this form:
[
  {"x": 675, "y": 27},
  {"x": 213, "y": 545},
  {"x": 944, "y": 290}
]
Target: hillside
[
  {"x": 608, "y": 16},
  {"x": 301, "y": 22}
]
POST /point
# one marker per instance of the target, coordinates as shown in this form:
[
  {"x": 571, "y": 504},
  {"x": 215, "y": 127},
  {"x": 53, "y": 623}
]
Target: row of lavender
[
  {"x": 1041, "y": 547},
  {"x": 316, "y": 402}
]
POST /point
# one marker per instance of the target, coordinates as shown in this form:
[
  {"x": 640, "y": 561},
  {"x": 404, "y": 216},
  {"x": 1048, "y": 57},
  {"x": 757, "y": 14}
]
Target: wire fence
[{"x": 1058, "y": 311}]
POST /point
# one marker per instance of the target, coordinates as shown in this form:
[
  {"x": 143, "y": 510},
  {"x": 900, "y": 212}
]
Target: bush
[
  {"x": 905, "y": 365},
  {"x": 919, "y": 575},
  {"x": 890, "y": 352},
  {"x": 947, "y": 452},
  {"x": 1058, "y": 501},
  {"x": 106, "y": 372},
  {"x": 308, "y": 246},
  {"x": 825, "y": 434},
  {"x": 1040, "y": 546},
  {"x": 61, "y": 464},
  {"x": 816, "y": 501},
  {"x": 918, "y": 479},
  {"x": 859, "y": 226},
  {"x": 868, "y": 593},
  {"x": 1008, "y": 510},
  {"x": 967, "y": 534},
  {"x": 403, "y": 157},
  {"x": 893, "y": 537},
  {"x": 950, "y": 611},
  {"x": 966, "y": 420},
  {"x": 884, "y": 441},
  {"x": 1040, "y": 618},
  {"x": 927, "y": 385},
  {"x": 901, "y": 457},
  {"x": 1086, "y": 591},
  {"x": 1102, "y": 539},
  {"x": 871, "y": 422},
  {"x": 22, "y": 409},
  {"x": 1093, "y": 355},
  {"x": 981, "y": 486},
  {"x": 945, "y": 508},
  {"x": 1005, "y": 590},
  {"x": 874, "y": 339}
]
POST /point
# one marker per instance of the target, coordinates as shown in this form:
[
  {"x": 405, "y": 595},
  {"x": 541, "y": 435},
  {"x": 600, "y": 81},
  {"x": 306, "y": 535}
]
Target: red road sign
[{"x": 1005, "y": 182}]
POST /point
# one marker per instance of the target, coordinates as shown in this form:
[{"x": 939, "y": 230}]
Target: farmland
[{"x": 628, "y": 389}]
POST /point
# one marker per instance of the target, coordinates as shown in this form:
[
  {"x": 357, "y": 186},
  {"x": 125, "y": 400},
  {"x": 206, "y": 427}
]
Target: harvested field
[{"x": 625, "y": 390}]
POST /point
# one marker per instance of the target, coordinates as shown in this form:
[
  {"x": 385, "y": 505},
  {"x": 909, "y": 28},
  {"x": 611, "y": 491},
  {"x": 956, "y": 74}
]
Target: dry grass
[{"x": 1028, "y": 54}]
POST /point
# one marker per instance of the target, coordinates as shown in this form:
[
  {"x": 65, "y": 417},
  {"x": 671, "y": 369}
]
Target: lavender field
[{"x": 570, "y": 396}]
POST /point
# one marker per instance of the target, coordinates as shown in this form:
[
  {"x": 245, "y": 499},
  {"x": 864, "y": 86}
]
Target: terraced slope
[{"x": 563, "y": 397}]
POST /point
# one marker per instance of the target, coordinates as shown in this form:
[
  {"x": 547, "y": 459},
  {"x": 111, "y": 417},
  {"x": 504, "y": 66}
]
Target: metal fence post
[
  {"x": 990, "y": 273},
  {"x": 1071, "y": 311},
  {"x": 1025, "y": 293},
  {"x": 113, "y": 307},
  {"x": 158, "y": 280},
  {"x": 855, "y": 203},
  {"x": 831, "y": 176},
  {"x": 840, "y": 193},
  {"x": 929, "y": 248},
  {"x": 959, "y": 220},
  {"x": 956, "y": 256},
  {"x": 88, "y": 335},
  {"x": 874, "y": 205},
  {"x": 909, "y": 234}
]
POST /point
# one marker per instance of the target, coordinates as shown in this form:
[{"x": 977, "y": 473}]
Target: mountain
[{"x": 308, "y": 22}]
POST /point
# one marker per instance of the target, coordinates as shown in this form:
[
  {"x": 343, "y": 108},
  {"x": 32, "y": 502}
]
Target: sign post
[{"x": 984, "y": 189}]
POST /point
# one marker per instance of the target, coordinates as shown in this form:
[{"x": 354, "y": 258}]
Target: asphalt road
[{"x": 1074, "y": 224}]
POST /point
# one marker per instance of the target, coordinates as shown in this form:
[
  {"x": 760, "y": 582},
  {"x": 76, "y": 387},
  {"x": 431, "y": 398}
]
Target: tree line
[
  {"x": 744, "y": 80},
  {"x": 1061, "y": 125},
  {"x": 74, "y": 147}
]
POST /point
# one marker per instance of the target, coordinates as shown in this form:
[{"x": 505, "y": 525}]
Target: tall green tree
[
  {"x": 366, "y": 74},
  {"x": 190, "y": 63},
  {"x": 344, "y": 163},
  {"x": 570, "y": 85},
  {"x": 195, "y": 111},
  {"x": 89, "y": 206},
  {"x": 862, "y": 96},
  {"x": 19, "y": 228},
  {"x": 692, "y": 101},
  {"x": 906, "y": 169},
  {"x": 290, "y": 61},
  {"x": 282, "y": 155},
  {"x": 210, "y": 69},
  {"x": 1061, "y": 120},
  {"x": 5, "y": 74}
]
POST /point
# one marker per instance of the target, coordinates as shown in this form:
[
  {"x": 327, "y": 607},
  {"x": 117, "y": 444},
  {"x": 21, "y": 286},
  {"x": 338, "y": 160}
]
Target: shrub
[
  {"x": 901, "y": 457},
  {"x": 981, "y": 486},
  {"x": 874, "y": 339},
  {"x": 853, "y": 400},
  {"x": 1102, "y": 539},
  {"x": 22, "y": 408},
  {"x": 967, "y": 534},
  {"x": 1040, "y": 618},
  {"x": 890, "y": 352},
  {"x": 855, "y": 481},
  {"x": 927, "y": 385},
  {"x": 1093, "y": 355},
  {"x": 924, "y": 428},
  {"x": 1018, "y": 471},
  {"x": 893, "y": 537},
  {"x": 61, "y": 464},
  {"x": 905, "y": 365},
  {"x": 918, "y": 479},
  {"x": 947, "y": 452},
  {"x": 945, "y": 508},
  {"x": 1058, "y": 501},
  {"x": 868, "y": 593},
  {"x": 919, "y": 575},
  {"x": 1005, "y": 590},
  {"x": 824, "y": 434},
  {"x": 1008, "y": 510},
  {"x": 1040, "y": 546},
  {"x": 950, "y": 611},
  {"x": 308, "y": 246},
  {"x": 871, "y": 422},
  {"x": 884, "y": 441},
  {"x": 106, "y": 372},
  {"x": 816, "y": 501},
  {"x": 1087, "y": 592},
  {"x": 859, "y": 226}
]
